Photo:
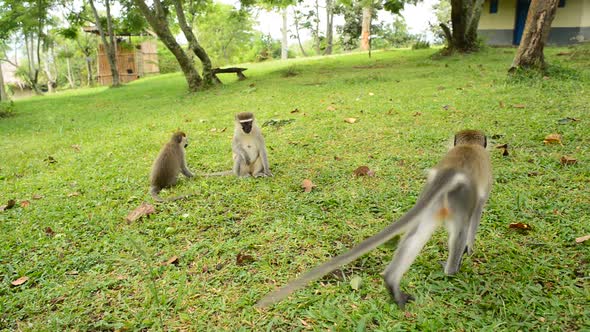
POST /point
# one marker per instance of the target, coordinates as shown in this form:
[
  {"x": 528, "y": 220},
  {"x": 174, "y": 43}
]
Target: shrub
[
  {"x": 420, "y": 44},
  {"x": 6, "y": 109}
]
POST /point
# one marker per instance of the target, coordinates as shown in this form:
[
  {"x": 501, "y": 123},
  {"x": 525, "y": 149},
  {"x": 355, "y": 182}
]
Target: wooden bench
[{"x": 237, "y": 70}]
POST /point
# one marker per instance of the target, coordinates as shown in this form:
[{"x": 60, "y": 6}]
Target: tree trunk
[
  {"x": 33, "y": 72},
  {"x": 89, "y": 70},
  {"x": 3, "y": 95},
  {"x": 317, "y": 45},
  {"x": 157, "y": 20},
  {"x": 465, "y": 15},
  {"x": 112, "y": 45},
  {"x": 110, "y": 48},
  {"x": 329, "y": 26},
  {"x": 284, "y": 40},
  {"x": 69, "y": 75},
  {"x": 536, "y": 31},
  {"x": 296, "y": 23},
  {"x": 366, "y": 28},
  {"x": 194, "y": 45}
]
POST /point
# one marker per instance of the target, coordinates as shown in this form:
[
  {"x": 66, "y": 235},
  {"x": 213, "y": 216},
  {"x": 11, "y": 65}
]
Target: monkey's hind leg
[
  {"x": 241, "y": 169},
  {"x": 462, "y": 204},
  {"x": 474, "y": 224},
  {"x": 257, "y": 168},
  {"x": 407, "y": 251}
]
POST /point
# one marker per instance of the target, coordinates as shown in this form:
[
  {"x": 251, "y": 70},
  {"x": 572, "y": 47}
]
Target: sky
[{"x": 416, "y": 16}]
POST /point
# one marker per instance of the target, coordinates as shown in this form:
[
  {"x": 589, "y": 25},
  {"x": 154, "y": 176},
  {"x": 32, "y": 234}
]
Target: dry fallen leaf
[
  {"x": 519, "y": 105},
  {"x": 519, "y": 225},
  {"x": 76, "y": 147},
  {"x": 337, "y": 158},
  {"x": 49, "y": 231},
  {"x": 243, "y": 259},
  {"x": 417, "y": 114},
  {"x": 75, "y": 193},
  {"x": 50, "y": 160},
  {"x": 552, "y": 138},
  {"x": 356, "y": 282},
  {"x": 19, "y": 281},
  {"x": 565, "y": 160},
  {"x": 37, "y": 196},
  {"x": 331, "y": 108},
  {"x": 564, "y": 53},
  {"x": 505, "y": 149},
  {"x": 502, "y": 104},
  {"x": 583, "y": 239},
  {"x": 143, "y": 210},
  {"x": 350, "y": 120},
  {"x": 172, "y": 261},
  {"x": 307, "y": 185},
  {"x": 25, "y": 203},
  {"x": 363, "y": 171},
  {"x": 9, "y": 205}
]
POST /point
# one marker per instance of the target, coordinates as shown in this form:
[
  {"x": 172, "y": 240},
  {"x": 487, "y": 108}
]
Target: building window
[
  {"x": 561, "y": 3},
  {"x": 494, "y": 6}
]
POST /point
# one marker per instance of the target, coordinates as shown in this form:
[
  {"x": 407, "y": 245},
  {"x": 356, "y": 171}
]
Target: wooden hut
[{"x": 134, "y": 59}]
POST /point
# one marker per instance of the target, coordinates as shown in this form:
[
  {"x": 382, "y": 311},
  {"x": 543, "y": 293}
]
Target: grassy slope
[{"x": 99, "y": 272}]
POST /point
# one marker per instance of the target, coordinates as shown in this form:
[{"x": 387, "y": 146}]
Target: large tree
[
  {"x": 462, "y": 37},
  {"x": 194, "y": 44},
  {"x": 157, "y": 17},
  {"x": 109, "y": 44},
  {"x": 368, "y": 9},
  {"x": 29, "y": 18},
  {"x": 536, "y": 31}
]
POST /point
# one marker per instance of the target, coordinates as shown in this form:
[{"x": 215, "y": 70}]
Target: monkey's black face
[{"x": 247, "y": 126}]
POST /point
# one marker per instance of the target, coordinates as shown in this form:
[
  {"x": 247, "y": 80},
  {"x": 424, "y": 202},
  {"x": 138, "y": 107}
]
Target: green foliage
[
  {"x": 395, "y": 34},
  {"x": 91, "y": 270},
  {"x": 166, "y": 60},
  {"x": 442, "y": 11},
  {"x": 264, "y": 48},
  {"x": 225, "y": 33},
  {"x": 6, "y": 109}
]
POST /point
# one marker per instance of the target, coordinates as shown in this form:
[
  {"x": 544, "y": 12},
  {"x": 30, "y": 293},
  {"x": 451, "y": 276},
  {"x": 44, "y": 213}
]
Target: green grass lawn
[{"x": 89, "y": 269}]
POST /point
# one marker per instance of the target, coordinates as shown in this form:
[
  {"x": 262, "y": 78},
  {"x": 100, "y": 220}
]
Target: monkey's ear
[{"x": 485, "y": 141}]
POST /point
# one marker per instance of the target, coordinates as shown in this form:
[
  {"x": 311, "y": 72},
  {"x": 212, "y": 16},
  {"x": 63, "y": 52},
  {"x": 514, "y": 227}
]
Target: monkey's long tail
[
  {"x": 443, "y": 182},
  {"x": 154, "y": 192},
  {"x": 223, "y": 173}
]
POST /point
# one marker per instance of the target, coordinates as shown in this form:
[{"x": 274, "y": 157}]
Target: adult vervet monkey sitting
[
  {"x": 455, "y": 193},
  {"x": 248, "y": 149}
]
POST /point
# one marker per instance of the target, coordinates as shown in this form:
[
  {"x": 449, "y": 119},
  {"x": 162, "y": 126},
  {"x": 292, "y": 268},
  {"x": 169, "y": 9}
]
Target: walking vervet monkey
[
  {"x": 170, "y": 161},
  {"x": 248, "y": 149},
  {"x": 455, "y": 193}
]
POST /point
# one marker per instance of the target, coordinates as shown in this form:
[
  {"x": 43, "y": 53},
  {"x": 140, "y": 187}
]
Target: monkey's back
[
  {"x": 471, "y": 159},
  {"x": 166, "y": 166}
]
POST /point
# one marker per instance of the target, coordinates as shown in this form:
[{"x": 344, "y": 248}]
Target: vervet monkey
[
  {"x": 170, "y": 161},
  {"x": 248, "y": 149},
  {"x": 455, "y": 193}
]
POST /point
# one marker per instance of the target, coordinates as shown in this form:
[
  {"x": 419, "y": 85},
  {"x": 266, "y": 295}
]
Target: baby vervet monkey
[
  {"x": 170, "y": 161},
  {"x": 455, "y": 192},
  {"x": 248, "y": 149}
]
